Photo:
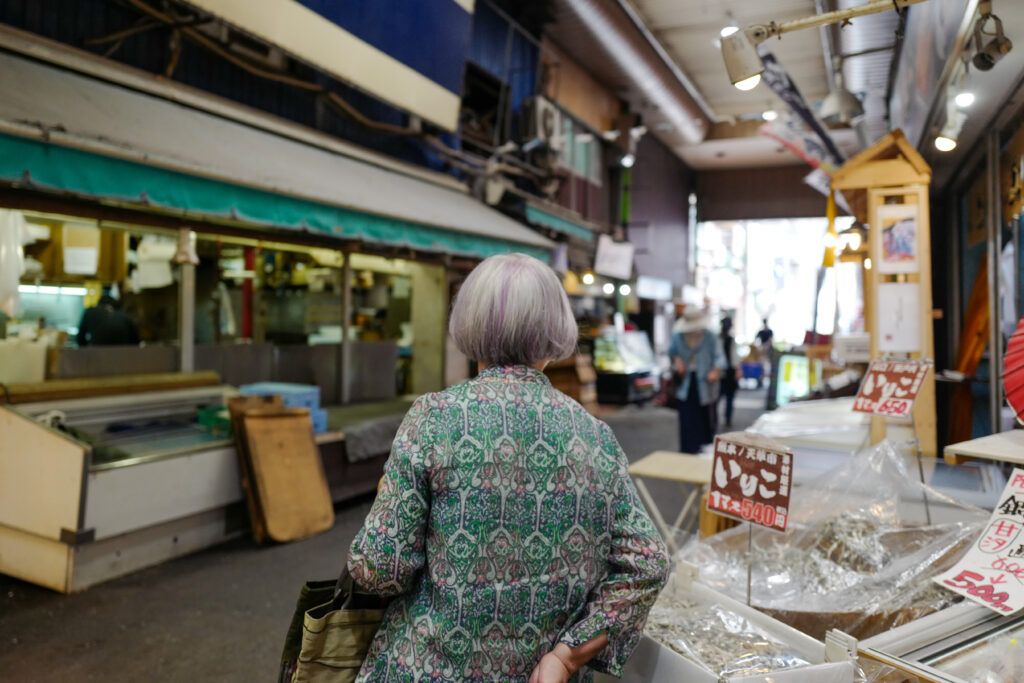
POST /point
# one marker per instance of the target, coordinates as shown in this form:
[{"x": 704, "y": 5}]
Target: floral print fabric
[{"x": 505, "y": 523}]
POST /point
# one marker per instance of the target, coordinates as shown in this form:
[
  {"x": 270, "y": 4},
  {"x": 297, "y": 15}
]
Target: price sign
[
  {"x": 890, "y": 387},
  {"x": 751, "y": 480},
  {"x": 992, "y": 571}
]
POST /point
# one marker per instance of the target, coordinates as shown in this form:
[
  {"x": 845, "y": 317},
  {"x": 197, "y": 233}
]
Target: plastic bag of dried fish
[
  {"x": 721, "y": 641},
  {"x": 859, "y": 554}
]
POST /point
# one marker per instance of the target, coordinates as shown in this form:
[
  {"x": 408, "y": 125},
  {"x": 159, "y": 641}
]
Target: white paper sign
[
  {"x": 81, "y": 260},
  {"x": 899, "y": 317},
  {"x": 992, "y": 571}
]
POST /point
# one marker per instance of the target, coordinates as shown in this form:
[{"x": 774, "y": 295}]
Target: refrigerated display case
[{"x": 627, "y": 370}]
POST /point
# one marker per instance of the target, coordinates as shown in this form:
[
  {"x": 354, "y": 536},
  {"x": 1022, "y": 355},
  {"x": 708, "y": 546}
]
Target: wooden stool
[{"x": 681, "y": 468}]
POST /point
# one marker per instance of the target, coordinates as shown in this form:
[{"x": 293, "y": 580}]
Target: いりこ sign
[
  {"x": 751, "y": 480},
  {"x": 891, "y": 387}
]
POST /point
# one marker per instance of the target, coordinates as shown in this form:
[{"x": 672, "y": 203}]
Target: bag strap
[{"x": 343, "y": 589}]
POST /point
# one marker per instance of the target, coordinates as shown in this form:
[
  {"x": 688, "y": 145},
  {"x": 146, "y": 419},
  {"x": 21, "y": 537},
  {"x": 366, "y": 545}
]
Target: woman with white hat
[{"x": 697, "y": 362}]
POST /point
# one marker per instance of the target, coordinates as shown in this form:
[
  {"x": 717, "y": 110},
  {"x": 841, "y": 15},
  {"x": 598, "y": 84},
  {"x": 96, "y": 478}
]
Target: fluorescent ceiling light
[
  {"x": 49, "y": 289},
  {"x": 770, "y": 115}
]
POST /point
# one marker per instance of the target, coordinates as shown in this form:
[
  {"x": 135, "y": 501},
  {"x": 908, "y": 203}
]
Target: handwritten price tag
[
  {"x": 992, "y": 571},
  {"x": 890, "y": 387}
]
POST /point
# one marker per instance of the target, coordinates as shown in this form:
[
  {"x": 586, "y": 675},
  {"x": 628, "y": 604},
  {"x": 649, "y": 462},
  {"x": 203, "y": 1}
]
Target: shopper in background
[
  {"x": 698, "y": 363},
  {"x": 105, "y": 324},
  {"x": 732, "y": 372},
  {"x": 506, "y": 525},
  {"x": 765, "y": 338}
]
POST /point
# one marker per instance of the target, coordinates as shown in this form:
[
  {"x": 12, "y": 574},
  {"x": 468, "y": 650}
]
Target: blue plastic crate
[
  {"x": 292, "y": 395},
  {"x": 319, "y": 418}
]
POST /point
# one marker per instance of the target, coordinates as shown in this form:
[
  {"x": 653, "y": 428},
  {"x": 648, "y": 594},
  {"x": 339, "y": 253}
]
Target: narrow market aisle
[{"x": 221, "y": 615}]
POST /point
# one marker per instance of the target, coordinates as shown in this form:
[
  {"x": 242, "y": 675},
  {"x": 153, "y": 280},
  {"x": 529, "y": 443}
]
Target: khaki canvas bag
[{"x": 336, "y": 635}]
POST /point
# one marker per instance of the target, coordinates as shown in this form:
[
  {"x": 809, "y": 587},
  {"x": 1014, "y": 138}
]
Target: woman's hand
[
  {"x": 550, "y": 669},
  {"x": 680, "y": 365},
  {"x": 714, "y": 374}
]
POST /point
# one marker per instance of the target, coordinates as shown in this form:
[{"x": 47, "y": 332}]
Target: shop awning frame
[
  {"x": 70, "y": 133},
  {"x": 550, "y": 217}
]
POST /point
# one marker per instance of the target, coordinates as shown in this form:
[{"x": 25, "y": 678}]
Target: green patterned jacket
[{"x": 505, "y": 523}]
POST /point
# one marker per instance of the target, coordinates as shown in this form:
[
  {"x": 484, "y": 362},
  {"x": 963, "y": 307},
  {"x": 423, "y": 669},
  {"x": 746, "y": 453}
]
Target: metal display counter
[{"x": 130, "y": 481}]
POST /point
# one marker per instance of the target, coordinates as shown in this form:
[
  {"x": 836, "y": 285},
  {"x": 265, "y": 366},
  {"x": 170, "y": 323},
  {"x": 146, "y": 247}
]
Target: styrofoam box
[
  {"x": 653, "y": 662},
  {"x": 292, "y": 395}
]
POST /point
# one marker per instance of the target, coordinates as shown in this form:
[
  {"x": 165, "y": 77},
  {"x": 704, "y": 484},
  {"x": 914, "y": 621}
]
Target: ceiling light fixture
[
  {"x": 588, "y": 278},
  {"x": 986, "y": 56},
  {"x": 628, "y": 160},
  {"x": 625, "y": 289},
  {"x": 964, "y": 99},
  {"x": 739, "y": 49},
  {"x": 840, "y": 106},
  {"x": 728, "y": 30},
  {"x": 770, "y": 115},
  {"x": 945, "y": 141},
  {"x": 608, "y": 288}
]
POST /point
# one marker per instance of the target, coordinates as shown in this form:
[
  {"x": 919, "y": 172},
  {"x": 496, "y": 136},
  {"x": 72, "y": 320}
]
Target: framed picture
[{"x": 898, "y": 248}]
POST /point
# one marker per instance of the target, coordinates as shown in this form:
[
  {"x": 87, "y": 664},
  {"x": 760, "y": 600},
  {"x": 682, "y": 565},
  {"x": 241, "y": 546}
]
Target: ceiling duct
[{"x": 611, "y": 42}]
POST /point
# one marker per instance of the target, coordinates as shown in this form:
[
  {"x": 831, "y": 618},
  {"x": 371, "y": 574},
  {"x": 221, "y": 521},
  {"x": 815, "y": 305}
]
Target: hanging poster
[
  {"x": 897, "y": 247},
  {"x": 899, "y": 317}
]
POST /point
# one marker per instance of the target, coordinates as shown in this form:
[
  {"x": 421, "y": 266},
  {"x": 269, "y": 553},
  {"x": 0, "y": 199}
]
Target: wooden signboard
[{"x": 287, "y": 474}]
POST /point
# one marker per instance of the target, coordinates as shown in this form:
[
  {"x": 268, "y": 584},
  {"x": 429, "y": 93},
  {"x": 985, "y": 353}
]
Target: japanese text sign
[
  {"x": 750, "y": 480},
  {"x": 992, "y": 571},
  {"x": 891, "y": 386}
]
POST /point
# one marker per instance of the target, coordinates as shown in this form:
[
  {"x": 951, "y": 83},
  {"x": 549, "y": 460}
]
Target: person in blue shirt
[{"x": 697, "y": 362}]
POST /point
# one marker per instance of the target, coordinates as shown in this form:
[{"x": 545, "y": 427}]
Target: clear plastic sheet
[
  {"x": 859, "y": 554},
  {"x": 999, "y": 659},
  {"x": 721, "y": 641}
]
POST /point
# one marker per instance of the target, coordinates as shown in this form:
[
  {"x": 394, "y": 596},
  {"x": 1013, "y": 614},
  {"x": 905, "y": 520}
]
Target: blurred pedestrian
[
  {"x": 105, "y": 324},
  {"x": 732, "y": 373},
  {"x": 698, "y": 362},
  {"x": 506, "y": 526}
]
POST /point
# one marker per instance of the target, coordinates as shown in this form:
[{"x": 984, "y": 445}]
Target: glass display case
[
  {"x": 627, "y": 370},
  {"x": 966, "y": 643}
]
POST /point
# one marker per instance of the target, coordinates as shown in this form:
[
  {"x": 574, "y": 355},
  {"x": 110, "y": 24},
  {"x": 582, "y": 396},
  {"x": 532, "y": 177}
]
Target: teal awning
[
  {"x": 552, "y": 220},
  {"x": 106, "y": 142}
]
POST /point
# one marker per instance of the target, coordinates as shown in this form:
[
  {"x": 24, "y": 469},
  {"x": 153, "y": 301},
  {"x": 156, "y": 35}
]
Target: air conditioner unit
[{"x": 545, "y": 123}]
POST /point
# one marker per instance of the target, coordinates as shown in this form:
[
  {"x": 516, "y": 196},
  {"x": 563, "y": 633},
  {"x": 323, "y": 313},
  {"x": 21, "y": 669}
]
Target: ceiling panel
[{"x": 688, "y": 29}]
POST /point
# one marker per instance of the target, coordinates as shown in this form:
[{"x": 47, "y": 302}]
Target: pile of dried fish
[{"x": 716, "y": 638}]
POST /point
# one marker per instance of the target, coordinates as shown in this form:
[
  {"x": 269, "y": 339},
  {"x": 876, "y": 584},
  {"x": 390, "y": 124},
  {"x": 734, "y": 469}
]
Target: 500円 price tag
[
  {"x": 751, "y": 479},
  {"x": 891, "y": 386},
  {"x": 992, "y": 571}
]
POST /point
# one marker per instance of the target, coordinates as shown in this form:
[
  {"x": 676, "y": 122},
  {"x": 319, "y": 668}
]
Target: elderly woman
[{"x": 506, "y": 526}]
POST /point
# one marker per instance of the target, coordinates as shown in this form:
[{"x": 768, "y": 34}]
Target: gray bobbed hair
[{"x": 512, "y": 310}]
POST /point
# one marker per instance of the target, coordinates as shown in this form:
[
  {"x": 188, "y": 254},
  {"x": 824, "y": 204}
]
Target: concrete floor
[{"x": 221, "y": 615}]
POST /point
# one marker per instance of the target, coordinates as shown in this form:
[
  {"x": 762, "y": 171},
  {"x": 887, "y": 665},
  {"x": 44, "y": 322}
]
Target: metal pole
[
  {"x": 838, "y": 16},
  {"x": 187, "y": 317},
  {"x": 346, "y": 315},
  {"x": 993, "y": 227},
  {"x": 750, "y": 557}
]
